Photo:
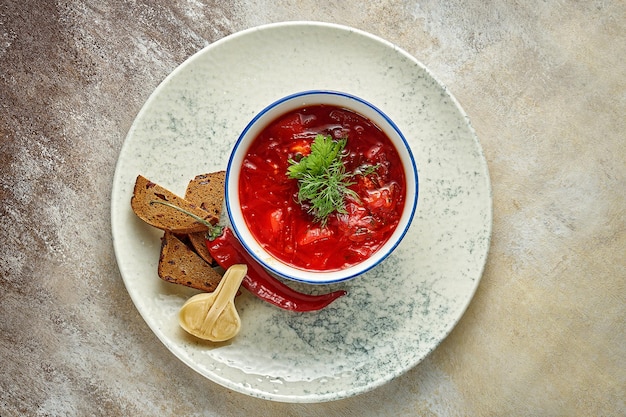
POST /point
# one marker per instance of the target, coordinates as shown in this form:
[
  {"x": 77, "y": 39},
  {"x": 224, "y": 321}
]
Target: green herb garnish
[{"x": 322, "y": 178}]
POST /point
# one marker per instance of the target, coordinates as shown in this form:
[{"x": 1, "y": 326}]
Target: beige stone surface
[{"x": 544, "y": 84}]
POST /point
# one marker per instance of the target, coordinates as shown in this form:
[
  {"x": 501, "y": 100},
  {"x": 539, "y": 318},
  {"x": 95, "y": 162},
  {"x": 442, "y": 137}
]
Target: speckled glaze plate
[{"x": 394, "y": 315}]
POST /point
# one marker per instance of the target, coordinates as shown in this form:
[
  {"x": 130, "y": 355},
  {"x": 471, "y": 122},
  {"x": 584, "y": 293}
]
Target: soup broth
[{"x": 284, "y": 227}]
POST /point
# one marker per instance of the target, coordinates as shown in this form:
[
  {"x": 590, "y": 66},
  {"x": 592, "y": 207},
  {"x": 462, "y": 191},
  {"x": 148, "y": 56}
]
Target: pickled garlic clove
[{"x": 213, "y": 316}]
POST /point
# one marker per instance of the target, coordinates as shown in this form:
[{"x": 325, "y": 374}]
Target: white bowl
[{"x": 253, "y": 129}]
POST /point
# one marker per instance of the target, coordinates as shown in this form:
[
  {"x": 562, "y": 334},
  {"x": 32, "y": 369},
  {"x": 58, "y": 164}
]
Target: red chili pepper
[{"x": 227, "y": 251}]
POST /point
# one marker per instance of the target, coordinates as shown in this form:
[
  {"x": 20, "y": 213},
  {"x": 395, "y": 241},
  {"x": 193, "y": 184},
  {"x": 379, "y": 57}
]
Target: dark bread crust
[{"x": 179, "y": 264}]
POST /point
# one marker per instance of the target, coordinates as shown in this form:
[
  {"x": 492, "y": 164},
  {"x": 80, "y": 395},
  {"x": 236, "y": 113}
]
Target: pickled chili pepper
[{"x": 226, "y": 249}]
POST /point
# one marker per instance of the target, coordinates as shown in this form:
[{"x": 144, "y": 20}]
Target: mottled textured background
[{"x": 544, "y": 84}]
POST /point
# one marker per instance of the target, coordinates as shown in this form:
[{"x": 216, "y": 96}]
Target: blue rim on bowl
[{"x": 268, "y": 115}]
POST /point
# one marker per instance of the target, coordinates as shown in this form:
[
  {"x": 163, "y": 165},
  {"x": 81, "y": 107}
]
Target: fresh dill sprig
[{"x": 322, "y": 178}]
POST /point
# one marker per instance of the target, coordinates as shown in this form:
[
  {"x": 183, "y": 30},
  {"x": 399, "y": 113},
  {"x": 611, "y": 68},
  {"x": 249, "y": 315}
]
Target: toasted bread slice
[
  {"x": 179, "y": 264},
  {"x": 207, "y": 192},
  {"x": 144, "y": 203},
  {"x": 198, "y": 242}
]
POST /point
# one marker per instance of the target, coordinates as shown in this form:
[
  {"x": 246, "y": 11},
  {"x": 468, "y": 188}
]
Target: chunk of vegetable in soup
[{"x": 285, "y": 227}]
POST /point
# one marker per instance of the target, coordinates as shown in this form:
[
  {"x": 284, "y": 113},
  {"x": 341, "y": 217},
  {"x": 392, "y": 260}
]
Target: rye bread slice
[
  {"x": 163, "y": 217},
  {"x": 207, "y": 192},
  {"x": 179, "y": 264}
]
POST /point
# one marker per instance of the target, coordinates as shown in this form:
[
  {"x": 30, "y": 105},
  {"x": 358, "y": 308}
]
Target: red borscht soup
[{"x": 284, "y": 227}]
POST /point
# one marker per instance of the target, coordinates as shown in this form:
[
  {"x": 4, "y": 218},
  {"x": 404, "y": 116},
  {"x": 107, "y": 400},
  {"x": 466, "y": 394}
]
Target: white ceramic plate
[{"x": 394, "y": 315}]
